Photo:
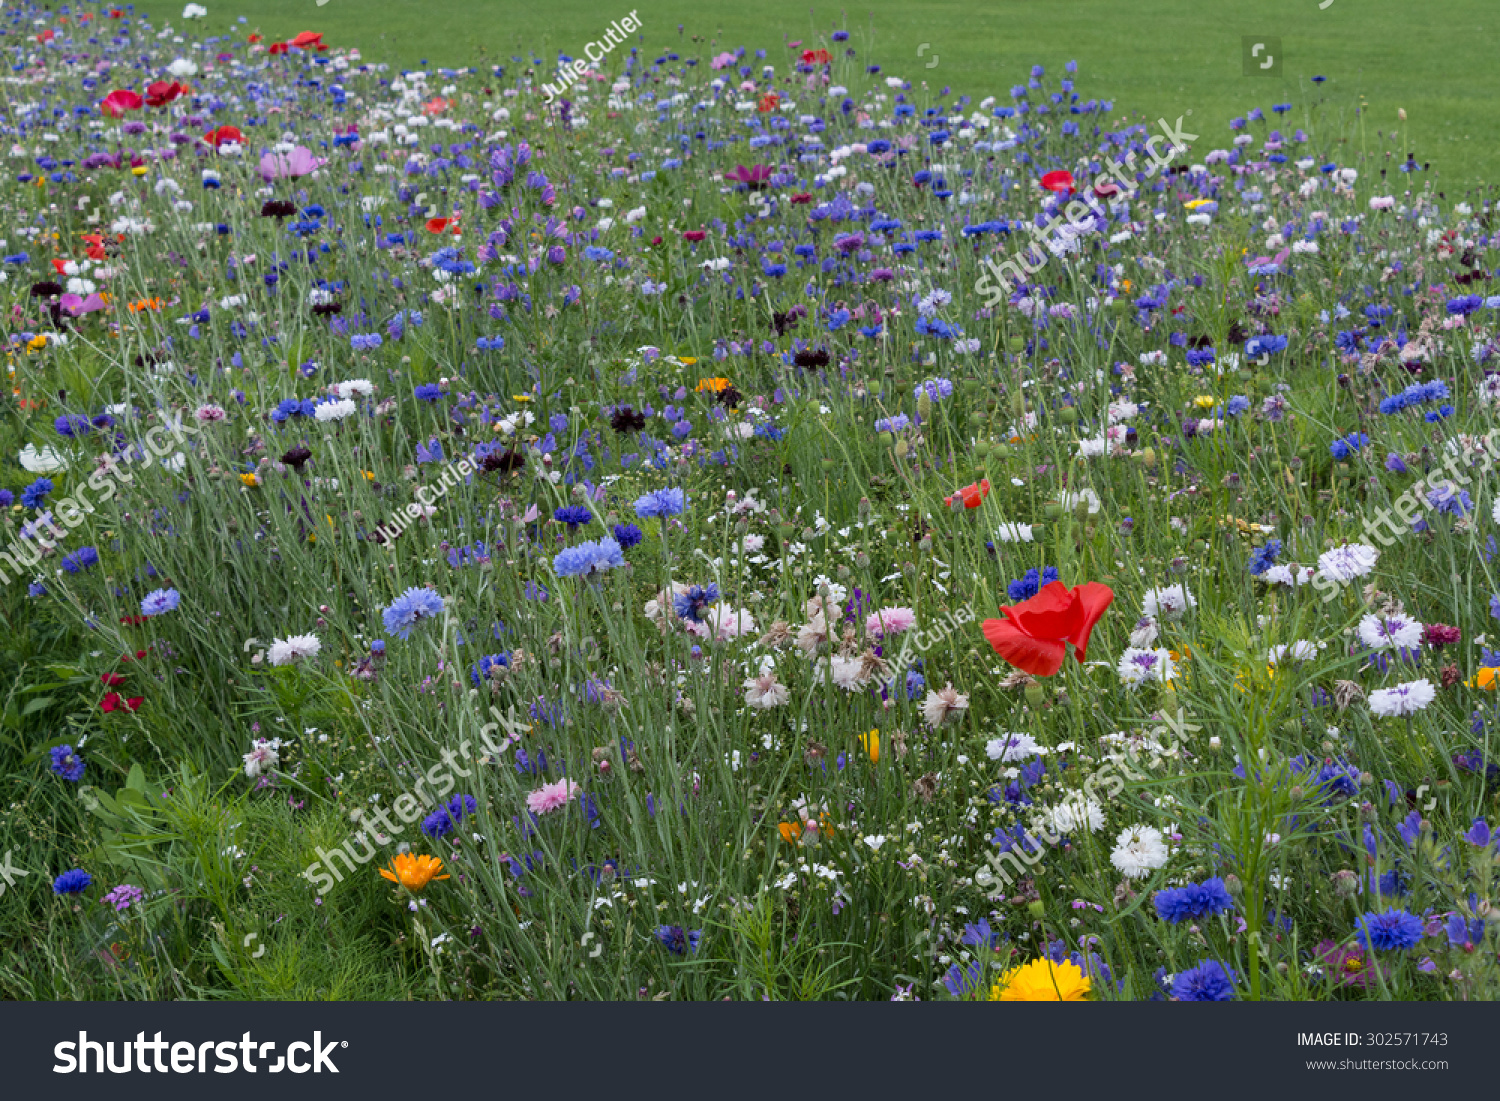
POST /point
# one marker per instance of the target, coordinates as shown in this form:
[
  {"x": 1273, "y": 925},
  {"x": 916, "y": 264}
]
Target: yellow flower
[
  {"x": 249, "y": 479},
  {"x": 687, "y": 361},
  {"x": 871, "y": 744},
  {"x": 138, "y": 170},
  {"x": 37, "y": 343},
  {"x": 717, "y": 385},
  {"x": 413, "y": 872},
  {"x": 1204, "y": 401},
  {"x": 369, "y": 475},
  {"x": 1196, "y": 203},
  {"x": 1484, "y": 678},
  {"x": 520, "y": 397},
  {"x": 1041, "y": 980}
]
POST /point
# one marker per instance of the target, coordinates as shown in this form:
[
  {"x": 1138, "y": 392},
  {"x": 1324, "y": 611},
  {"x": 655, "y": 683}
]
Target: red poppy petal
[
  {"x": 1052, "y": 613},
  {"x": 1040, "y": 657},
  {"x": 1093, "y": 598}
]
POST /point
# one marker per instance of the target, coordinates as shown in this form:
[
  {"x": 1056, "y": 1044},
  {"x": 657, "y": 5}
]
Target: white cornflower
[
  {"x": 1395, "y": 632},
  {"x": 943, "y": 705},
  {"x": 1016, "y": 533},
  {"x": 1139, "y": 851},
  {"x": 334, "y": 410},
  {"x": 1076, "y": 813},
  {"x": 766, "y": 692},
  {"x": 1138, "y": 666},
  {"x": 1144, "y": 633},
  {"x": 1013, "y": 747},
  {"x": 1348, "y": 562},
  {"x": 284, "y": 651},
  {"x": 1168, "y": 602},
  {"x": 1301, "y": 650},
  {"x": 1404, "y": 699},
  {"x": 263, "y": 757}
]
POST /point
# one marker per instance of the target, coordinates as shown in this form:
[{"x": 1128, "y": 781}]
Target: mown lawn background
[{"x": 1153, "y": 57}]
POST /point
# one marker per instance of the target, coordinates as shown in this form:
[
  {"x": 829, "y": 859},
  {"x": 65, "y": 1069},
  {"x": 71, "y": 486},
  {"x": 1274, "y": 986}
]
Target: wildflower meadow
[{"x": 692, "y": 520}]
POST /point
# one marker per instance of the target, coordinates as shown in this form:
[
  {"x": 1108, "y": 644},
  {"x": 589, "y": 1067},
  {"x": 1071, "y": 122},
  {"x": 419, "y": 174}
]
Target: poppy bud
[
  {"x": 901, "y": 449},
  {"x": 924, "y": 406},
  {"x": 1035, "y": 694},
  {"x": 982, "y": 448},
  {"x": 1068, "y": 415}
]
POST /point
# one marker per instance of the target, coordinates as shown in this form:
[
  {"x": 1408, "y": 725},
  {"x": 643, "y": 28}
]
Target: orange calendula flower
[
  {"x": 249, "y": 479},
  {"x": 790, "y": 832},
  {"x": 144, "y": 304},
  {"x": 1484, "y": 678},
  {"x": 1042, "y": 980},
  {"x": 413, "y": 872},
  {"x": 717, "y": 385}
]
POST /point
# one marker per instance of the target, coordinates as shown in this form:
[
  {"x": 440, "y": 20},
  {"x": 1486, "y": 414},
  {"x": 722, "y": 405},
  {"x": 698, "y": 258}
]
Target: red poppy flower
[
  {"x": 159, "y": 93},
  {"x": 306, "y": 39},
  {"x": 816, "y": 57},
  {"x": 132, "y": 620},
  {"x": 113, "y": 701},
  {"x": 224, "y": 134},
  {"x": 768, "y": 102},
  {"x": 1058, "y": 181},
  {"x": 972, "y": 496},
  {"x": 440, "y": 225},
  {"x": 46, "y": 36},
  {"x": 112, "y": 680},
  {"x": 278, "y": 48},
  {"x": 119, "y": 101},
  {"x": 1034, "y": 634},
  {"x": 694, "y": 235},
  {"x": 253, "y": 39},
  {"x": 138, "y": 655},
  {"x": 116, "y": 13}
]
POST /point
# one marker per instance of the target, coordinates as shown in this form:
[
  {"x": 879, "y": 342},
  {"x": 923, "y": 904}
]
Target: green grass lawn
[{"x": 1156, "y": 57}]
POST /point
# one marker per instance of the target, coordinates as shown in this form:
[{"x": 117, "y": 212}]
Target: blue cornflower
[
  {"x": 588, "y": 557},
  {"x": 678, "y": 941},
  {"x": 1210, "y": 981},
  {"x": 159, "y": 601},
  {"x": 1264, "y": 557},
  {"x": 573, "y": 516},
  {"x": 1342, "y": 449},
  {"x": 692, "y": 604},
  {"x": 1237, "y": 405},
  {"x": 1494, "y": 606},
  {"x": 81, "y": 559},
  {"x": 1394, "y": 930},
  {"x": 74, "y": 882},
  {"x": 428, "y": 391},
  {"x": 408, "y": 608},
  {"x": 34, "y": 494},
  {"x": 1258, "y": 346},
  {"x": 1196, "y": 900},
  {"x": 1026, "y": 587},
  {"x": 480, "y": 672},
  {"x": 627, "y": 535},
  {"x": 661, "y": 504},
  {"x": 445, "y": 819},
  {"x": 66, "y": 763}
]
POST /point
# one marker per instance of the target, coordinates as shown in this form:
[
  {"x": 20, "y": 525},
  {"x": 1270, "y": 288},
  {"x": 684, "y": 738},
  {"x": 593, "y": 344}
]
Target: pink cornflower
[
  {"x": 890, "y": 621},
  {"x": 549, "y": 797}
]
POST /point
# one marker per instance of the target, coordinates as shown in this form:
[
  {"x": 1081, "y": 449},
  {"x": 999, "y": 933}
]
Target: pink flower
[
  {"x": 549, "y": 797},
  {"x": 890, "y": 621},
  {"x": 299, "y": 162},
  {"x": 76, "y": 305},
  {"x": 722, "y": 61}
]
